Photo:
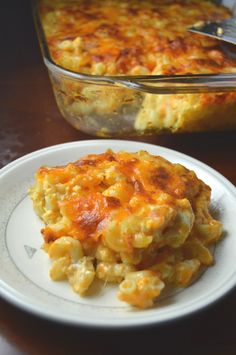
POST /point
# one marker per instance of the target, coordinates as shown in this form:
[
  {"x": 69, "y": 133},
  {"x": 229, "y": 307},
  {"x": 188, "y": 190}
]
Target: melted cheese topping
[
  {"x": 101, "y": 189},
  {"x": 133, "y": 37},
  {"x": 130, "y": 217}
]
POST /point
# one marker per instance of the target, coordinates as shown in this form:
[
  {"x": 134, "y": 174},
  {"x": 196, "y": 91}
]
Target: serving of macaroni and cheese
[{"x": 133, "y": 219}]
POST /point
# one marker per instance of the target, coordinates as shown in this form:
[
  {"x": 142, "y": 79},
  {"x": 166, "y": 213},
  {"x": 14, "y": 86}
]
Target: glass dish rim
[{"x": 164, "y": 84}]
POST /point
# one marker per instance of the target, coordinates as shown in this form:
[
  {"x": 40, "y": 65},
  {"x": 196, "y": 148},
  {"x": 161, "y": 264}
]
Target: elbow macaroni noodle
[{"x": 127, "y": 218}]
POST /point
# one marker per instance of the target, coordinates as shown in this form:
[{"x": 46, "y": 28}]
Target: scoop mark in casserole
[{"x": 146, "y": 37}]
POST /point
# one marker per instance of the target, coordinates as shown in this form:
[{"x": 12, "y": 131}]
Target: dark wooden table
[{"x": 29, "y": 121}]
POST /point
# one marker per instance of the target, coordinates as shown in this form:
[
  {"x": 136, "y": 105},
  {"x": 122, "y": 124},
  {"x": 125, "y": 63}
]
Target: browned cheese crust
[{"x": 141, "y": 38}]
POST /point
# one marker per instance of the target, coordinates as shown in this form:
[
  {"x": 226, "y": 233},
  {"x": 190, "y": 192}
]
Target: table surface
[{"x": 29, "y": 121}]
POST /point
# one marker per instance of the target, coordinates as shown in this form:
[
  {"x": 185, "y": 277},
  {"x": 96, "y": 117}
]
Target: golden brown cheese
[
  {"x": 133, "y": 37},
  {"x": 125, "y": 217},
  {"x": 145, "y": 37}
]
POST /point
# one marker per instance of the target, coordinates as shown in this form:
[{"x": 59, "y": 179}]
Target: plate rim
[{"x": 10, "y": 294}]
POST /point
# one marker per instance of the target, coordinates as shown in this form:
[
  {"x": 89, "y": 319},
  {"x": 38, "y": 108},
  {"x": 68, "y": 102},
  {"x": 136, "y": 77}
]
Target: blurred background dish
[{"x": 121, "y": 68}]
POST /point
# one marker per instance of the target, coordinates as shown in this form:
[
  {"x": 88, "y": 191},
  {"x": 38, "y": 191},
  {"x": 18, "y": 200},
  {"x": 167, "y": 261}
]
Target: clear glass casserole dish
[{"x": 119, "y": 105}]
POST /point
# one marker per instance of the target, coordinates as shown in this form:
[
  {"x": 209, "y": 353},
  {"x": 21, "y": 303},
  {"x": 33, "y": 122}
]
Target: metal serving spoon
[{"x": 223, "y": 30}]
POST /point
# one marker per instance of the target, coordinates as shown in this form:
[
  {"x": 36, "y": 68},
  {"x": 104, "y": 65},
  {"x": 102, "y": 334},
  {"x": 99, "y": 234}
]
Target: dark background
[{"x": 29, "y": 120}]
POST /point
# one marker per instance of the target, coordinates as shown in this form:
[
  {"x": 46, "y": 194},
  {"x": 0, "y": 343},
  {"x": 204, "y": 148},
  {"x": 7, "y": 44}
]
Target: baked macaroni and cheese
[
  {"x": 130, "y": 37},
  {"x": 129, "y": 218}
]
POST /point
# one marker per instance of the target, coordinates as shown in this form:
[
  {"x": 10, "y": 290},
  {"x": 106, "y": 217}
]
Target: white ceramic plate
[{"x": 24, "y": 278}]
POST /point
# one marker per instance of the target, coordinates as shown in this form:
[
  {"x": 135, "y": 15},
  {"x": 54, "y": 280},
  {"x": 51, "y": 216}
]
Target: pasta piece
[
  {"x": 140, "y": 288},
  {"x": 59, "y": 268},
  {"x": 133, "y": 258},
  {"x": 165, "y": 271},
  {"x": 210, "y": 232},
  {"x": 105, "y": 254},
  {"x": 66, "y": 246},
  {"x": 195, "y": 249},
  {"x": 121, "y": 190},
  {"x": 177, "y": 233},
  {"x": 185, "y": 270},
  {"x": 81, "y": 275},
  {"x": 113, "y": 272},
  {"x": 142, "y": 241}
]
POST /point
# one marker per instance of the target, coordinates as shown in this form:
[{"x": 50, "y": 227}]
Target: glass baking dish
[{"x": 115, "y": 106}]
